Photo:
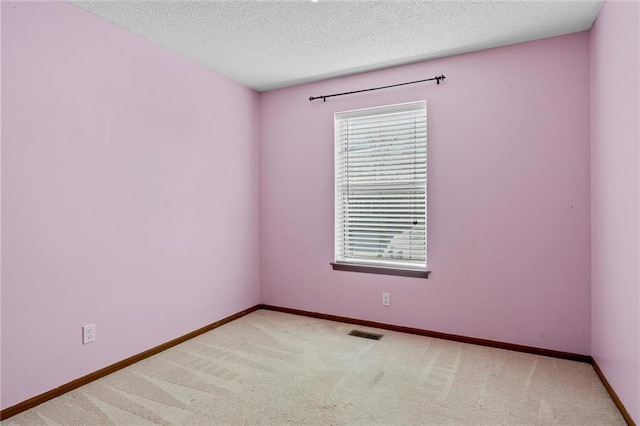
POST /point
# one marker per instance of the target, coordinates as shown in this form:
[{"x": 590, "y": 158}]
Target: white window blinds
[{"x": 380, "y": 186}]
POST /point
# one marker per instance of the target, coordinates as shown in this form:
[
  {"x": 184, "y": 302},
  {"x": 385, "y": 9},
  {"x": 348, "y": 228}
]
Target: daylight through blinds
[{"x": 380, "y": 187}]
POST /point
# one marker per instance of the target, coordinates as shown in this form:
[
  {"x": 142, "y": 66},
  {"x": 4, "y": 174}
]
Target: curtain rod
[{"x": 324, "y": 97}]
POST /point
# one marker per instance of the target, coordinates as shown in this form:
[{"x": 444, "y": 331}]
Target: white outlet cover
[
  {"x": 88, "y": 333},
  {"x": 386, "y": 299}
]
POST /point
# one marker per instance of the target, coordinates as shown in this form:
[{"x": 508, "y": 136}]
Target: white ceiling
[{"x": 272, "y": 44}]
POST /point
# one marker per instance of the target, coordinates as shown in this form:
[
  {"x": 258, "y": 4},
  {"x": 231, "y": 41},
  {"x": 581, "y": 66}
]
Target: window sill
[{"x": 380, "y": 270}]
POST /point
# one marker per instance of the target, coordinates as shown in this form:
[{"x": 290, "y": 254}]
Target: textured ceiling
[{"x": 272, "y": 44}]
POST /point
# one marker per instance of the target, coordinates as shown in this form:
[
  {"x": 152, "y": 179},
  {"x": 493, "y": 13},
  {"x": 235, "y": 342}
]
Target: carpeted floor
[{"x": 274, "y": 368}]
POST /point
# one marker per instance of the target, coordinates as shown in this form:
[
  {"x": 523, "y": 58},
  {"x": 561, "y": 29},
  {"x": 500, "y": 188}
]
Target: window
[{"x": 380, "y": 190}]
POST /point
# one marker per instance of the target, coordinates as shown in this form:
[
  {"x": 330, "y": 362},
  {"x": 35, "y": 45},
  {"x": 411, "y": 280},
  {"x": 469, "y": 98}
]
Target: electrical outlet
[
  {"x": 386, "y": 299},
  {"x": 88, "y": 333}
]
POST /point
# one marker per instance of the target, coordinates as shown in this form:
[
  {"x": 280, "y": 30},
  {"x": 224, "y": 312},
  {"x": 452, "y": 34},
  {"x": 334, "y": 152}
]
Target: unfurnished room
[{"x": 320, "y": 212}]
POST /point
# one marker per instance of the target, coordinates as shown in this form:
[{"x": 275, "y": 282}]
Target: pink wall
[
  {"x": 0, "y": 204},
  {"x": 615, "y": 187},
  {"x": 129, "y": 193},
  {"x": 508, "y": 202}
]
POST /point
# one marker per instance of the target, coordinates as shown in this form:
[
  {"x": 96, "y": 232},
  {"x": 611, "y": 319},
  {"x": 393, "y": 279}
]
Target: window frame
[{"x": 369, "y": 265}]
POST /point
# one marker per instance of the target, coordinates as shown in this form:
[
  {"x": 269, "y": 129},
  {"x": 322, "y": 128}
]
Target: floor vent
[{"x": 366, "y": 335}]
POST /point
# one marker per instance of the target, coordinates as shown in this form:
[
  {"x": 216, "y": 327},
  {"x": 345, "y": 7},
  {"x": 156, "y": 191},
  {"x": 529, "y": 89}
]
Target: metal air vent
[{"x": 365, "y": 334}]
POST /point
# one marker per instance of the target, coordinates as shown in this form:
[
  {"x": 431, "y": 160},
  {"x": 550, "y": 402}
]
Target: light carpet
[{"x": 277, "y": 369}]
